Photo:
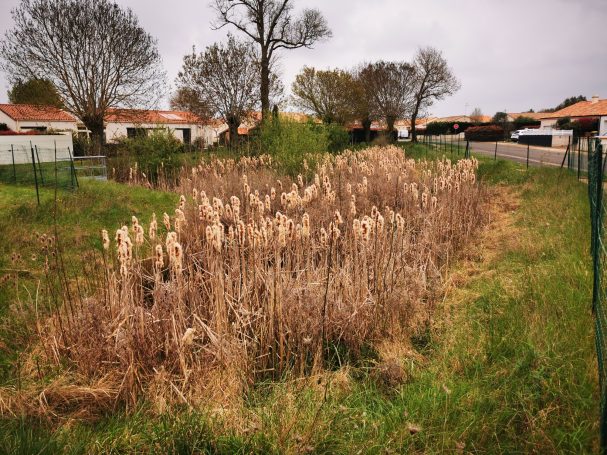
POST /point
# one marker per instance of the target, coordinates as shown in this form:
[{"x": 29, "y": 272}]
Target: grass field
[{"x": 507, "y": 365}]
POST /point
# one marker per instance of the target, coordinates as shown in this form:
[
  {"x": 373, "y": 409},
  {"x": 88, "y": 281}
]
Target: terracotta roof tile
[
  {"x": 533, "y": 115},
  {"x": 36, "y": 112},
  {"x": 581, "y": 109},
  {"x": 151, "y": 116}
]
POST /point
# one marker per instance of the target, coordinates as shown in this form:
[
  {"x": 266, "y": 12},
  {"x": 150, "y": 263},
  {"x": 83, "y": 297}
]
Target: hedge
[{"x": 489, "y": 133}]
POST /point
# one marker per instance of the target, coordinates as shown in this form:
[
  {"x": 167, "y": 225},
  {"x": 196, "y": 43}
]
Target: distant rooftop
[{"x": 36, "y": 112}]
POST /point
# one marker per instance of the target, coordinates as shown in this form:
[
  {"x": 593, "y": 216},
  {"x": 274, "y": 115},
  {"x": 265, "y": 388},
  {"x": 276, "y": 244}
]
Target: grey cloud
[{"x": 514, "y": 55}]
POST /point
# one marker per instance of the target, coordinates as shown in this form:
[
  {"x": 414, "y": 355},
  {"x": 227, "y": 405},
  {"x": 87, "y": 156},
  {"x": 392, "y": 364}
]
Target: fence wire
[{"x": 596, "y": 171}]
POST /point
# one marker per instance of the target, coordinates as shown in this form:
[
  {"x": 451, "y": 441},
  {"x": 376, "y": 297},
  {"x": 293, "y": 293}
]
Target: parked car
[{"x": 514, "y": 135}]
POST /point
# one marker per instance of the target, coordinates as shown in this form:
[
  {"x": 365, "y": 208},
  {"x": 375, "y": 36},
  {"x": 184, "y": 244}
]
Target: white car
[{"x": 514, "y": 135}]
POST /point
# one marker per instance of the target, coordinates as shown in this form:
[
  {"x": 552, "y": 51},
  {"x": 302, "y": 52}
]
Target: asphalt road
[{"x": 538, "y": 156}]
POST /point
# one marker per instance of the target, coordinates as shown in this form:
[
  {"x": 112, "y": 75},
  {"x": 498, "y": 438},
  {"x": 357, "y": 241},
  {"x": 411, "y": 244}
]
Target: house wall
[
  {"x": 603, "y": 126},
  {"x": 10, "y": 123},
  {"x": 548, "y": 123},
  {"x": 115, "y": 131},
  {"x": 26, "y": 125}
]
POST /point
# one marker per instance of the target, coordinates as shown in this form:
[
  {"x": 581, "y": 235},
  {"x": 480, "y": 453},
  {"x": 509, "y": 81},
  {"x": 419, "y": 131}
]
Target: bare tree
[
  {"x": 434, "y": 80},
  {"x": 476, "y": 115},
  {"x": 362, "y": 98},
  {"x": 93, "y": 51},
  {"x": 390, "y": 86},
  {"x": 327, "y": 94},
  {"x": 271, "y": 25},
  {"x": 187, "y": 99},
  {"x": 225, "y": 79}
]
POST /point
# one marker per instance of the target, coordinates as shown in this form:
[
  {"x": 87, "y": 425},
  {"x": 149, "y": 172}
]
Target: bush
[
  {"x": 436, "y": 128},
  {"x": 338, "y": 138},
  {"x": 4, "y": 127},
  {"x": 487, "y": 133},
  {"x": 290, "y": 142},
  {"x": 83, "y": 146},
  {"x": 155, "y": 154},
  {"x": 525, "y": 122}
]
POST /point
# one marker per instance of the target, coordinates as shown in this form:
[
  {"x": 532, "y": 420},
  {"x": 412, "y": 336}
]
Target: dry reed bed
[{"x": 255, "y": 276}]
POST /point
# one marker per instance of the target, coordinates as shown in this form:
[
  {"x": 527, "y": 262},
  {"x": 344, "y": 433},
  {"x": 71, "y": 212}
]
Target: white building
[
  {"x": 593, "y": 108},
  {"x": 185, "y": 126},
  {"x": 22, "y": 118}
]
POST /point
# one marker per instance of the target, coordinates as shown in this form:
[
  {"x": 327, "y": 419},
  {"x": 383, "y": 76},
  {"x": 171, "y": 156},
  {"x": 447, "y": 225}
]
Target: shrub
[
  {"x": 522, "y": 122},
  {"x": 4, "y": 127},
  {"x": 436, "y": 128},
  {"x": 155, "y": 154},
  {"x": 288, "y": 142},
  {"x": 487, "y": 133}
]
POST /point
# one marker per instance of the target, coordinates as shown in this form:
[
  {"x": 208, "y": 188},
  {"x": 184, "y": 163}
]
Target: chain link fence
[{"x": 596, "y": 184}]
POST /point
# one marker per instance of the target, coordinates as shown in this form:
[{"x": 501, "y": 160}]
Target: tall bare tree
[
  {"x": 476, "y": 115},
  {"x": 187, "y": 99},
  {"x": 362, "y": 97},
  {"x": 390, "y": 85},
  {"x": 271, "y": 25},
  {"x": 93, "y": 51},
  {"x": 327, "y": 94},
  {"x": 225, "y": 79},
  {"x": 434, "y": 80}
]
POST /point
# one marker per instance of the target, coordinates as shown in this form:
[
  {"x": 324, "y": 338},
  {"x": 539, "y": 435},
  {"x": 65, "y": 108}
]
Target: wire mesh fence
[
  {"x": 573, "y": 156},
  {"x": 596, "y": 172},
  {"x": 38, "y": 166}
]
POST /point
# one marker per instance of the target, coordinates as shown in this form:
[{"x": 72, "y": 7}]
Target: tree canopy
[
  {"x": 35, "y": 91},
  {"x": 271, "y": 25}
]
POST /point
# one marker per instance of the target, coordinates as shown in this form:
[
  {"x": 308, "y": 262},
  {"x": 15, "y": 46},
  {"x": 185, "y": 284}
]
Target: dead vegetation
[{"x": 254, "y": 276}]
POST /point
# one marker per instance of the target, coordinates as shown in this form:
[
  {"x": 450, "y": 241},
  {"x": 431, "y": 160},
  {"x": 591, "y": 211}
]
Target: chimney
[{"x": 595, "y": 99}]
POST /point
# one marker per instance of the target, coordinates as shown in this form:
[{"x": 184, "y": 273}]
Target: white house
[
  {"x": 22, "y": 118},
  {"x": 185, "y": 126},
  {"x": 594, "y": 108}
]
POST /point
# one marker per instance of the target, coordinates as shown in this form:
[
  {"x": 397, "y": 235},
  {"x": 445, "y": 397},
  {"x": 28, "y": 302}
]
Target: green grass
[{"x": 509, "y": 367}]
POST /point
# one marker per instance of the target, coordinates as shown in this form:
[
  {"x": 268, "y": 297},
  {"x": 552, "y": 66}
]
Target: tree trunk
[
  {"x": 413, "y": 120},
  {"x": 265, "y": 84},
  {"x": 390, "y": 120},
  {"x": 95, "y": 125},
  {"x": 366, "y": 123},
  {"x": 413, "y": 130},
  {"x": 233, "y": 124}
]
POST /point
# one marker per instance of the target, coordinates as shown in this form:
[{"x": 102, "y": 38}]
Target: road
[{"x": 538, "y": 156}]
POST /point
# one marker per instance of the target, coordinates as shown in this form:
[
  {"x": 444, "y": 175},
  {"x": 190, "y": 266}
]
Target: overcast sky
[{"x": 509, "y": 55}]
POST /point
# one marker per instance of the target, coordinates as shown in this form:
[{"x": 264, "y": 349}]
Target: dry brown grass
[{"x": 257, "y": 276}]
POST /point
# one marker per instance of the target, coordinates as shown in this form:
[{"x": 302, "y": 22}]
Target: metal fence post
[
  {"x": 14, "y": 168},
  {"x": 35, "y": 173},
  {"x": 73, "y": 170},
  {"x": 527, "y": 156},
  {"x": 495, "y": 152},
  {"x": 39, "y": 165}
]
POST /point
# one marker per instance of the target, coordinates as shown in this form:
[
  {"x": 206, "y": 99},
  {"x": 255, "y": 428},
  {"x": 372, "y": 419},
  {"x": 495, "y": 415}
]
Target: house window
[
  {"x": 136, "y": 132},
  {"x": 187, "y": 136},
  {"x": 34, "y": 128}
]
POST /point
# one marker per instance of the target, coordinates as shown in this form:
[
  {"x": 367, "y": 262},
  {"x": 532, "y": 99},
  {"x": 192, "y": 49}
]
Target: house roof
[
  {"x": 151, "y": 116},
  {"x": 533, "y": 115},
  {"x": 35, "y": 112},
  {"x": 592, "y": 108}
]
